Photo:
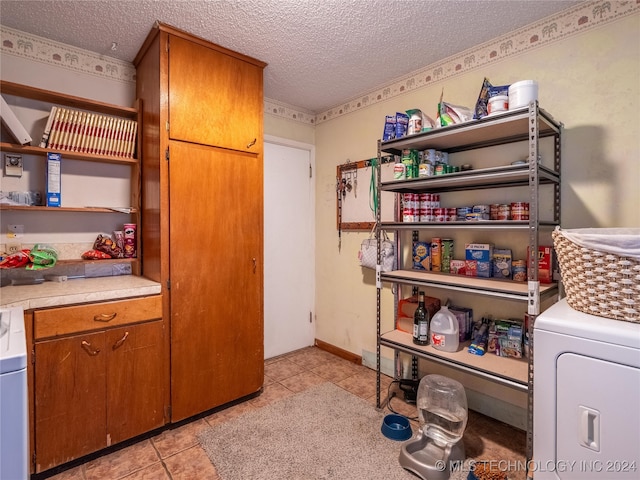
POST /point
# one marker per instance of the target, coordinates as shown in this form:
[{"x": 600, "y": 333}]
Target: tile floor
[{"x": 176, "y": 455}]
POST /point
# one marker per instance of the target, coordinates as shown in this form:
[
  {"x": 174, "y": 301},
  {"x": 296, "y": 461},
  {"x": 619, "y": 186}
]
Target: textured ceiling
[{"x": 320, "y": 53}]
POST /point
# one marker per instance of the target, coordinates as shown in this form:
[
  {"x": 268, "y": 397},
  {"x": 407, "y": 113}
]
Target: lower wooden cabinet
[{"x": 100, "y": 386}]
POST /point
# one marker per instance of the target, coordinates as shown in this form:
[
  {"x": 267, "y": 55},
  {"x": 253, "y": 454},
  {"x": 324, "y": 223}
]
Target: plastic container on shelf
[
  {"x": 444, "y": 331},
  {"x": 499, "y": 103},
  {"x": 522, "y": 93}
]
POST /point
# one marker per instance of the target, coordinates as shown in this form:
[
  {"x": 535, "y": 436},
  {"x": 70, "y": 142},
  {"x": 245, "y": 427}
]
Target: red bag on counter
[
  {"x": 16, "y": 260},
  {"x": 95, "y": 255}
]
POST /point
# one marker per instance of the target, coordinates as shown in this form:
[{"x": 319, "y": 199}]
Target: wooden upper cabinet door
[
  {"x": 214, "y": 98},
  {"x": 70, "y": 398}
]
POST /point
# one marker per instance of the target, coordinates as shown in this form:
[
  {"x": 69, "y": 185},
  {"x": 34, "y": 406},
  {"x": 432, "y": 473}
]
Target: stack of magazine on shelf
[{"x": 84, "y": 132}]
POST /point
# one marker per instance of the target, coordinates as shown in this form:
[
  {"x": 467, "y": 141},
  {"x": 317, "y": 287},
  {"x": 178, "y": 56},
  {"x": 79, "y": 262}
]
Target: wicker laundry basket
[{"x": 600, "y": 271}]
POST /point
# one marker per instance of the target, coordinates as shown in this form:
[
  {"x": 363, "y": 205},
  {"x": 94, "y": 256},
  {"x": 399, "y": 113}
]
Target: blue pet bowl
[{"x": 396, "y": 427}]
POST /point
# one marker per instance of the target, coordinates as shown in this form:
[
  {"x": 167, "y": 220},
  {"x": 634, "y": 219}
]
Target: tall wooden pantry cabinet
[{"x": 202, "y": 210}]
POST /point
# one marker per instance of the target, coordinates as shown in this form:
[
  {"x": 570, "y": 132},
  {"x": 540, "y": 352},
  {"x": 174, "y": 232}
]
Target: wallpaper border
[
  {"x": 567, "y": 23},
  {"x": 39, "y": 49}
]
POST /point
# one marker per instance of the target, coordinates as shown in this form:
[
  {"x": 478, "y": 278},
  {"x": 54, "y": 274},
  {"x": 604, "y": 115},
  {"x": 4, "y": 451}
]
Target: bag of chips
[
  {"x": 42, "y": 256},
  {"x": 105, "y": 244}
]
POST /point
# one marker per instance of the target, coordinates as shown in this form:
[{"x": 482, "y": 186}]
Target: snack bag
[
  {"x": 16, "y": 260},
  {"x": 483, "y": 100},
  {"x": 389, "y": 132},
  {"x": 402, "y": 122},
  {"x": 95, "y": 255},
  {"x": 453, "y": 114},
  {"x": 42, "y": 256},
  {"x": 486, "y": 92},
  {"x": 105, "y": 244}
]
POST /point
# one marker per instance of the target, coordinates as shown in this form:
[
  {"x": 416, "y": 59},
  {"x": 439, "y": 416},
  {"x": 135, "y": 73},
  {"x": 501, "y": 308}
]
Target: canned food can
[
  {"x": 452, "y": 214},
  {"x": 436, "y": 254},
  {"x": 425, "y": 170},
  {"x": 408, "y": 164},
  {"x": 411, "y": 200},
  {"x": 440, "y": 214},
  {"x": 440, "y": 169},
  {"x": 504, "y": 212},
  {"x": 429, "y": 215},
  {"x": 519, "y": 211},
  {"x": 399, "y": 171},
  {"x": 422, "y": 214},
  {"x": 493, "y": 211},
  {"x": 519, "y": 269},
  {"x": 424, "y": 199},
  {"x": 430, "y": 156},
  {"x": 473, "y": 217},
  {"x": 130, "y": 240},
  {"x": 481, "y": 209},
  {"x": 408, "y": 215},
  {"x": 435, "y": 200},
  {"x": 461, "y": 213},
  {"x": 446, "y": 255}
]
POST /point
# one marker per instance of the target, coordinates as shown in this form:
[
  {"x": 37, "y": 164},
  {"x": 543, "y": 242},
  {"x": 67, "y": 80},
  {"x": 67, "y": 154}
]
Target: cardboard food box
[
  {"x": 545, "y": 263},
  {"x": 457, "y": 267},
  {"x": 482, "y": 253},
  {"x": 53, "y": 179},
  {"x": 407, "y": 307},
  {"x": 465, "y": 321},
  {"x": 505, "y": 338},
  {"x": 470, "y": 268},
  {"x": 501, "y": 263},
  {"x": 422, "y": 255}
]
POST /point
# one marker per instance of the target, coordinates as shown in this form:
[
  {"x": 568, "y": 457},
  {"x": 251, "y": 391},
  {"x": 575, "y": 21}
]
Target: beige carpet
[{"x": 322, "y": 433}]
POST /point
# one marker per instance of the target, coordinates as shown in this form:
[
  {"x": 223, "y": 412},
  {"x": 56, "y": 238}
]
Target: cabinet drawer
[{"x": 95, "y": 316}]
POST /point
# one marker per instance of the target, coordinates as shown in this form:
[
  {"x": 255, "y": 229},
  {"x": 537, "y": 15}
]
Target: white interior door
[{"x": 289, "y": 246}]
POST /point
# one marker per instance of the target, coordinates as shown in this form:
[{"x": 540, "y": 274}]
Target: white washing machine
[
  {"x": 586, "y": 396},
  {"x": 14, "y": 417}
]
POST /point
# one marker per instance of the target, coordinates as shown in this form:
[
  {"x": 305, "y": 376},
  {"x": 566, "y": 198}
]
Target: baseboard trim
[{"x": 338, "y": 352}]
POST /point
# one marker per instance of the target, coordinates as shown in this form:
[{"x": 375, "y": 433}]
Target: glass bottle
[{"x": 421, "y": 323}]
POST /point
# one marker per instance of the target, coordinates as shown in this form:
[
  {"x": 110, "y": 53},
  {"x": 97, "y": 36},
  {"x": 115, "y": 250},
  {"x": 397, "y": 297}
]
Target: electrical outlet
[
  {"x": 13, "y": 248},
  {"x": 15, "y": 231}
]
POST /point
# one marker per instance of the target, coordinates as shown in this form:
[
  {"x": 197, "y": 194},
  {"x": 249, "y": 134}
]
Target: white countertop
[{"x": 80, "y": 290}]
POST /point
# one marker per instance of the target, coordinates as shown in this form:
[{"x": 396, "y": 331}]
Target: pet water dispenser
[{"x": 442, "y": 410}]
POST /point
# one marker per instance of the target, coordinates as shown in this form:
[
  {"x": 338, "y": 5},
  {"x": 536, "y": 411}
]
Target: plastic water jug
[{"x": 445, "y": 331}]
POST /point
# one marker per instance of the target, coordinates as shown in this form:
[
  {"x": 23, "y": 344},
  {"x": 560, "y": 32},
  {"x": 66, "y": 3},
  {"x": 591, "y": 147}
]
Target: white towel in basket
[{"x": 624, "y": 242}]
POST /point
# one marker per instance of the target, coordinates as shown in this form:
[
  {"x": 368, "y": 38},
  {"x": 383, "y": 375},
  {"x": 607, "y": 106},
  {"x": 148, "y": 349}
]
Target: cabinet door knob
[
  {"x": 119, "y": 343},
  {"x": 105, "y": 317},
  {"x": 89, "y": 349},
  {"x": 252, "y": 143},
  {"x": 255, "y": 265}
]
